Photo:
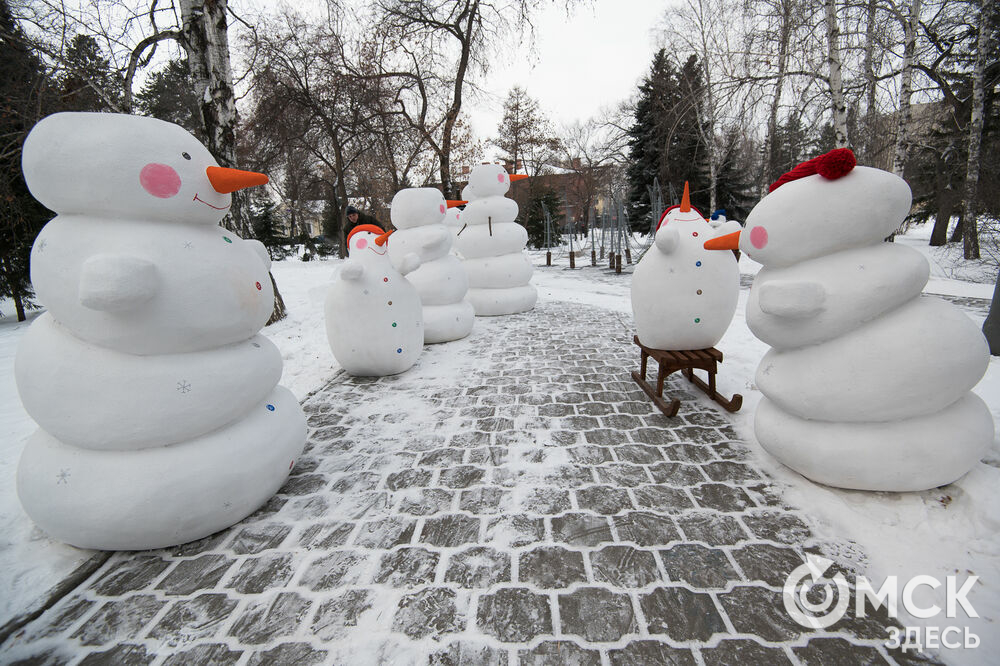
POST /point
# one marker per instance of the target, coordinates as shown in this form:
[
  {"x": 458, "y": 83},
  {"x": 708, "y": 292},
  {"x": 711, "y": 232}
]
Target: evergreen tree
[
  {"x": 734, "y": 186},
  {"x": 646, "y": 136},
  {"x": 87, "y": 82},
  {"x": 264, "y": 222},
  {"x": 534, "y": 217},
  {"x": 665, "y": 141},
  {"x": 168, "y": 94},
  {"x": 25, "y": 97},
  {"x": 525, "y": 136}
]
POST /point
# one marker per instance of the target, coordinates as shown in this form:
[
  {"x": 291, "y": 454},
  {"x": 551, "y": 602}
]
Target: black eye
[{"x": 185, "y": 156}]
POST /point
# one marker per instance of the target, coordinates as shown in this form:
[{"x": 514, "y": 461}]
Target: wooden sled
[{"x": 686, "y": 362}]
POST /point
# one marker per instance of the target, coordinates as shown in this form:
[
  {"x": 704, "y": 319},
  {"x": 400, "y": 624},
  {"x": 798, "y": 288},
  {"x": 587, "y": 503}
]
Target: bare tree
[
  {"x": 836, "y": 82},
  {"x": 334, "y": 99},
  {"x": 591, "y": 151},
  {"x": 906, "y": 87},
  {"x": 970, "y": 235},
  {"x": 449, "y": 42}
]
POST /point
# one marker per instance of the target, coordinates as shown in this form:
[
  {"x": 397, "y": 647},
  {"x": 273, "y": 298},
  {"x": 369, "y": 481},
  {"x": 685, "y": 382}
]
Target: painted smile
[
  {"x": 372, "y": 248},
  {"x": 196, "y": 198}
]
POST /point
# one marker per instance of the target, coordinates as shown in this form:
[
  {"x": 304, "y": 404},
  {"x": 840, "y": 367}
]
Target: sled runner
[{"x": 686, "y": 362}]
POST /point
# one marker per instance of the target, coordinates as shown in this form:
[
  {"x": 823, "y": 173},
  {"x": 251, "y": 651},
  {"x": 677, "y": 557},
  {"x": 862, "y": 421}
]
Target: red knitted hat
[{"x": 834, "y": 164}]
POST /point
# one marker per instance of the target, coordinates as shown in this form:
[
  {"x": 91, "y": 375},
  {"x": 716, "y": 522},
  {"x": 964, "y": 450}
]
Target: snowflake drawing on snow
[
  {"x": 62, "y": 476},
  {"x": 183, "y": 386}
]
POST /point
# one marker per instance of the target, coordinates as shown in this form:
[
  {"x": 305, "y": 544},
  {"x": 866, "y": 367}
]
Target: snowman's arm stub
[
  {"x": 436, "y": 238},
  {"x": 667, "y": 239},
  {"x": 352, "y": 270},
  {"x": 116, "y": 282},
  {"x": 410, "y": 263},
  {"x": 261, "y": 250},
  {"x": 792, "y": 299}
]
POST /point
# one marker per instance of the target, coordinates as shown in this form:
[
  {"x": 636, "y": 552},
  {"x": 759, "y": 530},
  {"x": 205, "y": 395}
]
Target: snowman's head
[
  {"x": 489, "y": 180},
  {"x": 676, "y": 214},
  {"x": 683, "y": 215},
  {"x": 367, "y": 239},
  {"x": 127, "y": 167},
  {"x": 417, "y": 206},
  {"x": 815, "y": 216},
  {"x": 822, "y": 206}
]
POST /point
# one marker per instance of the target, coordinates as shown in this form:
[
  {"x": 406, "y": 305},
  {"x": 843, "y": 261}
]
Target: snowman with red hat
[
  {"x": 683, "y": 296},
  {"x": 374, "y": 321},
  {"x": 867, "y": 383}
]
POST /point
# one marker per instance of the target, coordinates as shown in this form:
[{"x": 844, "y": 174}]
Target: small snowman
[
  {"x": 868, "y": 382},
  {"x": 419, "y": 214},
  {"x": 492, "y": 244},
  {"x": 161, "y": 418},
  {"x": 374, "y": 321},
  {"x": 683, "y": 296}
]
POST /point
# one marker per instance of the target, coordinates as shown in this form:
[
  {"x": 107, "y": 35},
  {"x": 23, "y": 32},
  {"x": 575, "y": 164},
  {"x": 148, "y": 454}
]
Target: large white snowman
[
  {"x": 161, "y": 418},
  {"x": 492, "y": 244},
  {"x": 683, "y": 296},
  {"x": 419, "y": 215},
  {"x": 374, "y": 322},
  {"x": 867, "y": 384}
]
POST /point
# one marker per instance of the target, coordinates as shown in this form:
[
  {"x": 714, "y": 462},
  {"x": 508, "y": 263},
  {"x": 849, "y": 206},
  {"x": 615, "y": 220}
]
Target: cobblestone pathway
[{"x": 538, "y": 510}]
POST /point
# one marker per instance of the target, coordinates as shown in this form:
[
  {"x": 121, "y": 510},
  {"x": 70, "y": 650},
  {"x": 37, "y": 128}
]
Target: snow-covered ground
[{"x": 954, "y": 530}]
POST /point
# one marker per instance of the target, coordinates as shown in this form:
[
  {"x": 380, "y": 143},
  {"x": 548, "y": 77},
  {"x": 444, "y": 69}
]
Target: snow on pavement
[{"x": 952, "y": 530}]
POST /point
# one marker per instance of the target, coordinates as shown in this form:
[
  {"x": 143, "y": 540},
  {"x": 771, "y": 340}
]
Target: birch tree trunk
[
  {"x": 871, "y": 115},
  {"x": 836, "y": 80},
  {"x": 204, "y": 26},
  {"x": 970, "y": 235},
  {"x": 906, "y": 89},
  {"x": 784, "y": 36},
  {"x": 205, "y": 31},
  {"x": 709, "y": 133}
]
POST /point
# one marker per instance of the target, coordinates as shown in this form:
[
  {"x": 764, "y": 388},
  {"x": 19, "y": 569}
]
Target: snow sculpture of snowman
[
  {"x": 492, "y": 246},
  {"x": 373, "y": 317},
  {"x": 161, "y": 419},
  {"x": 683, "y": 296},
  {"x": 867, "y": 385},
  {"x": 453, "y": 218},
  {"x": 722, "y": 225},
  {"x": 419, "y": 216}
]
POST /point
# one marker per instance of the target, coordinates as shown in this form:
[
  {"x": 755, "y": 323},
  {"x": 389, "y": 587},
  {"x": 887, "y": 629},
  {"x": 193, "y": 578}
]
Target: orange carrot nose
[
  {"x": 686, "y": 199},
  {"x": 517, "y": 176},
  {"x": 727, "y": 242},
  {"x": 381, "y": 240},
  {"x": 229, "y": 180},
  {"x": 452, "y": 203}
]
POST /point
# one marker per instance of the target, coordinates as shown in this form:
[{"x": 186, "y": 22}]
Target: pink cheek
[
  {"x": 758, "y": 237},
  {"x": 443, "y": 208},
  {"x": 499, "y": 177},
  {"x": 361, "y": 244},
  {"x": 160, "y": 180}
]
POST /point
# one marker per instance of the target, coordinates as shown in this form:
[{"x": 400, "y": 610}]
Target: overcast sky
[{"x": 592, "y": 59}]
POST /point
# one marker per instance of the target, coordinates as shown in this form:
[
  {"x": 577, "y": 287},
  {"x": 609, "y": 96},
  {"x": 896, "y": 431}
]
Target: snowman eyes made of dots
[{"x": 186, "y": 156}]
